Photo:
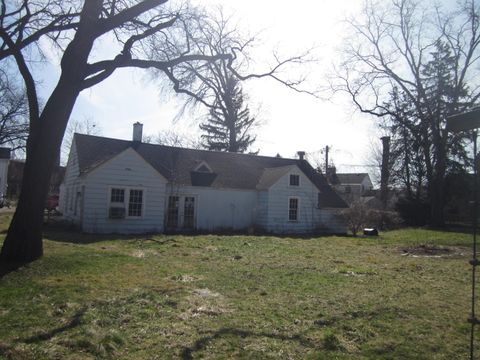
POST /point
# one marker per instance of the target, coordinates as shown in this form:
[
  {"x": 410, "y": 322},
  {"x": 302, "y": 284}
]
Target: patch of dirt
[
  {"x": 429, "y": 251},
  {"x": 185, "y": 278},
  {"x": 138, "y": 254},
  {"x": 204, "y": 302},
  {"x": 205, "y": 293}
]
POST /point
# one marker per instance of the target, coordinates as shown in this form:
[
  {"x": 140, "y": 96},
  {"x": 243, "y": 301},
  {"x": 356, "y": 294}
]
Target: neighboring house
[
  {"x": 353, "y": 186},
  {"x": 119, "y": 186},
  {"x": 15, "y": 176},
  {"x": 4, "y": 161}
]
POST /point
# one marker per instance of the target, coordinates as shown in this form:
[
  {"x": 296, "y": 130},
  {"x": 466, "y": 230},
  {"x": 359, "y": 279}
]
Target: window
[
  {"x": 319, "y": 200},
  {"x": 348, "y": 189},
  {"x": 293, "y": 209},
  {"x": 135, "y": 203},
  {"x": 294, "y": 180},
  {"x": 117, "y": 196}
]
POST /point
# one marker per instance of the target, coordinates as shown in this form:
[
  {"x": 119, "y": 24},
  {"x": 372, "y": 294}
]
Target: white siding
[
  {"x": 70, "y": 190},
  {"x": 126, "y": 170},
  {"x": 220, "y": 209},
  {"x": 310, "y": 218},
  {"x": 3, "y": 176},
  {"x": 261, "y": 219},
  {"x": 331, "y": 221}
]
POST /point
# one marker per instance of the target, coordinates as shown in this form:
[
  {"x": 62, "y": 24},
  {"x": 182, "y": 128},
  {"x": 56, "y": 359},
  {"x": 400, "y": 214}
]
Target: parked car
[{"x": 52, "y": 202}]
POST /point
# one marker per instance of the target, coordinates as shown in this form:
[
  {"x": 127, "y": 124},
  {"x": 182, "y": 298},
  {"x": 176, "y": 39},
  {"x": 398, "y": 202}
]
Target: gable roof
[
  {"x": 229, "y": 170},
  {"x": 351, "y": 178},
  {"x": 271, "y": 175}
]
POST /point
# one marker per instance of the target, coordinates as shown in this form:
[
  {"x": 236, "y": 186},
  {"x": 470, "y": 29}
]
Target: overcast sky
[{"x": 292, "y": 121}]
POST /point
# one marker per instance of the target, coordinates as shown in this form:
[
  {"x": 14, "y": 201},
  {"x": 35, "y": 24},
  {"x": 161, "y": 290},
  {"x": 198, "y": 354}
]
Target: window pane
[
  {"x": 293, "y": 209},
  {"x": 135, "y": 203},
  {"x": 294, "y": 180},
  {"x": 117, "y": 196},
  {"x": 172, "y": 211},
  {"x": 189, "y": 212}
]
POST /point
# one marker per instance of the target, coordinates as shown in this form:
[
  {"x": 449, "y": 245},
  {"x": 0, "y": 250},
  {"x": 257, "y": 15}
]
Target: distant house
[
  {"x": 4, "y": 161},
  {"x": 15, "y": 176},
  {"x": 352, "y": 186},
  {"x": 119, "y": 186}
]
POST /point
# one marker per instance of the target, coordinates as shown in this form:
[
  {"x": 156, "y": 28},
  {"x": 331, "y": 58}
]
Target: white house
[
  {"x": 352, "y": 186},
  {"x": 119, "y": 186},
  {"x": 4, "y": 160}
]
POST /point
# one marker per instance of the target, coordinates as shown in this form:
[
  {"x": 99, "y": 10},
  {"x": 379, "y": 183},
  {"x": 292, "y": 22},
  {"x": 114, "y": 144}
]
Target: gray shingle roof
[
  {"x": 229, "y": 170},
  {"x": 351, "y": 178}
]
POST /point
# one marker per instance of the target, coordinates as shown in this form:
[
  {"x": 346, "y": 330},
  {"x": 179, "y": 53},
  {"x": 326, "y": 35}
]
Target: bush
[
  {"x": 356, "y": 216},
  {"x": 384, "y": 220},
  {"x": 359, "y": 215}
]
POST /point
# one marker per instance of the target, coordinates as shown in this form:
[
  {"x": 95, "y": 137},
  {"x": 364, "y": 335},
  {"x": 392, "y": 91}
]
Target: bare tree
[
  {"x": 88, "y": 126},
  {"x": 138, "y": 28},
  {"x": 174, "y": 138},
  {"x": 13, "y": 115},
  {"x": 229, "y": 124},
  {"x": 431, "y": 57}
]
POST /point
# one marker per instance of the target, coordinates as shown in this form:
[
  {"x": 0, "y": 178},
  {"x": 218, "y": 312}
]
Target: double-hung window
[
  {"x": 294, "y": 180},
  {"x": 125, "y": 202},
  {"x": 135, "y": 203}
]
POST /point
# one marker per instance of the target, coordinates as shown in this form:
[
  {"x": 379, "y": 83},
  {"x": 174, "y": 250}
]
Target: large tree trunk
[
  {"x": 437, "y": 186},
  {"x": 437, "y": 203},
  {"x": 24, "y": 238}
]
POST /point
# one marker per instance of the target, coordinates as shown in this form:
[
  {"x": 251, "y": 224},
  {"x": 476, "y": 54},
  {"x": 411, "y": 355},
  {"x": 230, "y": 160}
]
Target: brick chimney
[
  {"x": 137, "y": 132},
  {"x": 301, "y": 155}
]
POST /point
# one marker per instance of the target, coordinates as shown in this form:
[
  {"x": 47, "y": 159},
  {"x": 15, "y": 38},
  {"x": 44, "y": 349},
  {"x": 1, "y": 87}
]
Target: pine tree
[{"x": 229, "y": 123}]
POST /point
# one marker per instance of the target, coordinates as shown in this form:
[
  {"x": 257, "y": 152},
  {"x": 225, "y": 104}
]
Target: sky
[{"x": 291, "y": 121}]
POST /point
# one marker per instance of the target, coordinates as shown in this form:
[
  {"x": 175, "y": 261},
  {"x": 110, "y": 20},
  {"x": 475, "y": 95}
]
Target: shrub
[
  {"x": 356, "y": 216},
  {"x": 384, "y": 220}
]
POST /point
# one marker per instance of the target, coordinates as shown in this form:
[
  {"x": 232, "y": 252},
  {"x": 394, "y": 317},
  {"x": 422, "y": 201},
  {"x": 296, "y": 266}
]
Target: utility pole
[{"x": 470, "y": 121}]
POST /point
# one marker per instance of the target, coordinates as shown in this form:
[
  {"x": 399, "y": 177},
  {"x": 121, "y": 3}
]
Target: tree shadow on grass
[
  {"x": 202, "y": 343},
  {"x": 47, "y": 335},
  {"x": 76, "y": 237},
  {"x": 8, "y": 267},
  {"x": 9, "y": 351}
]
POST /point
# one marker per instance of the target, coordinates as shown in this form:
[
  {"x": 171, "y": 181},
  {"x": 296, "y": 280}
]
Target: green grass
[{"x": 243, "y": 297}]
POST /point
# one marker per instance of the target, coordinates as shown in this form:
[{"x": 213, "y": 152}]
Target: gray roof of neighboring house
[
  {"x": 351, "y": 178},
  {"x": 229, "y": 170},
  {"x": 5, "y": 153}
]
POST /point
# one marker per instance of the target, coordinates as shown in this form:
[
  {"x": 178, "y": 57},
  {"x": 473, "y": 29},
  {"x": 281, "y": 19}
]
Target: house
[
  {"x": 352, "y": 186},
  {"x": 15, "y": 177},
  {"x": 4, "y": 161},
  {"x": 119, "y": 186}
]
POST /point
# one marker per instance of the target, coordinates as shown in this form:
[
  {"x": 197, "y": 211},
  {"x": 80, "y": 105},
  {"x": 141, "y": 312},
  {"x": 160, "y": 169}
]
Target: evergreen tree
[{"x": 229, "y": 122}]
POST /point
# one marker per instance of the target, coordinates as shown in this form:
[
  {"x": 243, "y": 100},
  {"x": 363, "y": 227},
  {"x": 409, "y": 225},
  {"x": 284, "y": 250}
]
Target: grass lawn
[{"x": 243, "y": 297}]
